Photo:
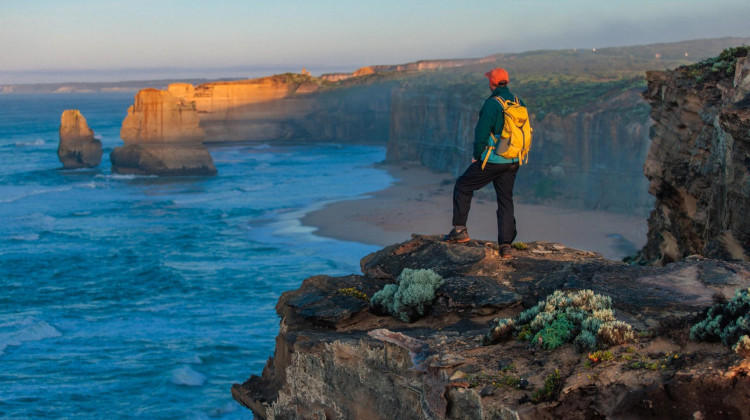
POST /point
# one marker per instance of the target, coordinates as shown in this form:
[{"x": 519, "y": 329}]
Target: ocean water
[{"x": 135, "y": 296}]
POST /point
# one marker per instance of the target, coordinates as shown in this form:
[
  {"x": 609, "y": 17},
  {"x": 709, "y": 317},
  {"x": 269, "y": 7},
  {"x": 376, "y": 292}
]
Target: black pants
[{"x": 502, "y": 176}]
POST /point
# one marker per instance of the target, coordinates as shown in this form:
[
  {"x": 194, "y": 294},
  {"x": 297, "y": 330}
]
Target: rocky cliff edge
[
  {"x": 335, "y": 358},
  {"x": 699, "y": 161}
]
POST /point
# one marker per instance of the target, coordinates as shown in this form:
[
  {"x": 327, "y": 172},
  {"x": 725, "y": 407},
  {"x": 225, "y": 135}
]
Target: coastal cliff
[
  {"x": 698, "y": 165},
  {"x": 254, "y": 109},
  {"x": 591, "y": 158},
  {"x": 591, "y": 124},
  {"x": 337, "y": 358},
  {"x": 288, "y": 107},
  {"x": 160, "y": 116},
  {"x": 162, "y": 137},
  {"x": 671, "y": 349}
]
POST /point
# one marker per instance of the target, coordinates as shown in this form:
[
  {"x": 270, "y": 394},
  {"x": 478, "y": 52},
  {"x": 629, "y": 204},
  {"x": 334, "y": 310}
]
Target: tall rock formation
[
  {"x": 254, "y": 109},
  {"x": 287, "y": 107},
  {"x": 78, "y": 148},
  {"x": 159, "y": 116},
  {"x": 699, "y": 161},
  {"x": 162, "y": 137}
]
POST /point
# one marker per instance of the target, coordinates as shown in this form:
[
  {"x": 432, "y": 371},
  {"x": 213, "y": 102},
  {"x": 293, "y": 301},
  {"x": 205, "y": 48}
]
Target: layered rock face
[
  {"x": 699, "y": 163},
  {"x": 337, "y": 359},
  {"x": 162, "y": 136},
  {"x": 589, "y": 159},
  {"x": 287, "y": 107},
  {"x": 169, "y": 159},
  {"x": 159, "y": 116},
  {"x": 415, "y": 66},
  {"x": 78, "y": 148}
]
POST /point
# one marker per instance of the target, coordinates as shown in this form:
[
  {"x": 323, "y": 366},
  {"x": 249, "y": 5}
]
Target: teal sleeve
[{"x": 487, "y": 117}]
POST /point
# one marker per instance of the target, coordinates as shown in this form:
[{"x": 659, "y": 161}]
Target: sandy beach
[{"x": 420, "y": 201}]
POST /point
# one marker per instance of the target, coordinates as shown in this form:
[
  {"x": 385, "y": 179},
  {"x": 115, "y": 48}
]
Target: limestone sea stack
[
  {"x": 698, "y": 162},
  {"x": 78, "y": 148},
  {"x": 158, "y": 116},
  {"x": 162, "y": 137}
]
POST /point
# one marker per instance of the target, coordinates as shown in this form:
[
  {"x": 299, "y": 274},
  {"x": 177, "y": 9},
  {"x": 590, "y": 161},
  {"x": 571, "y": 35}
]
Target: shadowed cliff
[
  {"x": 699, "y": 162},
  {"x": 337, "y": 358},
  {"x": 491, "y": 339}
]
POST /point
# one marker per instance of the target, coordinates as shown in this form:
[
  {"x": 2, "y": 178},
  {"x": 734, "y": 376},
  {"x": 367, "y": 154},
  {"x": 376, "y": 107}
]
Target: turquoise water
[{"x": 128, "y": 296}]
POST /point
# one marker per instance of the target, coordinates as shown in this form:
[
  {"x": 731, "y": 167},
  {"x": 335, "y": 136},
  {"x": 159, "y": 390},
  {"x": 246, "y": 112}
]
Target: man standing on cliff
[{"x": 498, "y": 170}]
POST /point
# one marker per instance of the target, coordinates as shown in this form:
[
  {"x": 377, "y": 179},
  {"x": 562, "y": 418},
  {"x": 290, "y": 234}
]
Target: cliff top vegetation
[
  {"x": 559, "y": 81},
  {"x": 724, "y": 63}
]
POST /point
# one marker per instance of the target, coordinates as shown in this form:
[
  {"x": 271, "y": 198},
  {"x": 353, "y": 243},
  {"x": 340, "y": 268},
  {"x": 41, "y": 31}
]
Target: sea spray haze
[{"x": 125, "y": 296}]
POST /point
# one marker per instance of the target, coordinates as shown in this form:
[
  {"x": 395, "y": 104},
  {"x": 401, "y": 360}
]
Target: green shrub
[
  {"x": 519, "y": 246},
  {"x": 413, "y": 295},
  {"x": 728, "y": 322},
  {"x": 585, "y": 341},
  {"x": 556, "y": 333},
  {"x": 581, "y": 317},
  {"x": 553, "y": 385},
  {"x": 726, "y": 62}
]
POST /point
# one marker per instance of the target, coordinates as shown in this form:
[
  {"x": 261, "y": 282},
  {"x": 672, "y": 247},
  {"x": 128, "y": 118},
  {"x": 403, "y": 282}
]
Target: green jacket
[{"x": 491, "y": 121}]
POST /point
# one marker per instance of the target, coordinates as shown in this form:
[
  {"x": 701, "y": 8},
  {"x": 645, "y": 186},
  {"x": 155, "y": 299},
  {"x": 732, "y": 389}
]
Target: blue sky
[{"x": 109, "y": 40}]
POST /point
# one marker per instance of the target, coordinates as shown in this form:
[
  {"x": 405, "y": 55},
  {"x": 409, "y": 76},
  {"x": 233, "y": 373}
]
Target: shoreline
[{"x": 420, "y": 201}]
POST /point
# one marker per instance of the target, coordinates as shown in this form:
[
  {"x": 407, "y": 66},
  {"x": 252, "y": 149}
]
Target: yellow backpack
[{"x": 515, "y": 140}]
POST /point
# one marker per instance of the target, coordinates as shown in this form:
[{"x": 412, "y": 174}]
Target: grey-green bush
[
  {"x": 728, "y": 322},
  {"x": 582, "y": 317},
  {"x": 413, "y": 295}
]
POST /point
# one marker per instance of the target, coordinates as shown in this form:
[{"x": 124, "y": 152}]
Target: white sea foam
[
  {"x": 91, "y": 185},
  {"x": 185, "y": 375},
  {"x": 37, "y": 142},
  {"x": 39, "y": 221},
  {"x": 293, "y": 227},
  {"x": 12, "y": 194},
  {"x": 26, "y": 237},
  {"x": 125, "y": 176},
  {"x": 203, "y": 198},
  {"x": 257, "y": 187},
  {"x": 25, "y": 330}
]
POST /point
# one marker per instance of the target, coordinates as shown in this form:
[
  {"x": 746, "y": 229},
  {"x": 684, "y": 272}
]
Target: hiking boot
[
  {"x": 505, "y": 252},
  {"x": 457, "y": 236}
]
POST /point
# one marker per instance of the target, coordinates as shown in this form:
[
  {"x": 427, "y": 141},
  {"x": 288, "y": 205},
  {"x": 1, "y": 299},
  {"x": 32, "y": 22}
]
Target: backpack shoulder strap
[{"x": 501, "y": 101}]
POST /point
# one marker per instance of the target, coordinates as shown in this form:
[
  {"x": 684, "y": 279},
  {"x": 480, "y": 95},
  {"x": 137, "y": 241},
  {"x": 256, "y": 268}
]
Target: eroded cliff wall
[
  {"x": 159, "y": 116},
  {"x": 589, "y": 159},
  {"x": 338, "y": 358},
  {"x": 699, "y": 162},
  {"x": 290, "y": 107}
]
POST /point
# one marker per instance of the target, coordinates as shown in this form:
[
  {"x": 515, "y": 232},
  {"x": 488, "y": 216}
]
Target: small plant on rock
[
  {"x": 354, "y": 292},
  {"x": 553, "y": 385},
  {"x": 581, "y": 317},
  {"x": 601, "y": 356},
  {"x": 728, "y": 322},
  {"x": 411, "y": 298}
]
